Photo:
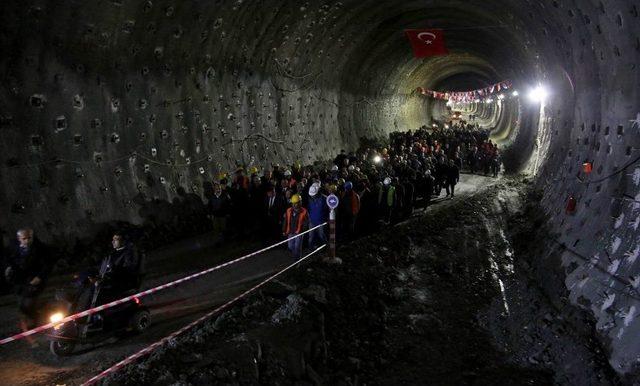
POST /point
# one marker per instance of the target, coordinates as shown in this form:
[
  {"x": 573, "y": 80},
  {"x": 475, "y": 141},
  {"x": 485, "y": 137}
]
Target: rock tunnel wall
[{"x": 104, "y": 104}]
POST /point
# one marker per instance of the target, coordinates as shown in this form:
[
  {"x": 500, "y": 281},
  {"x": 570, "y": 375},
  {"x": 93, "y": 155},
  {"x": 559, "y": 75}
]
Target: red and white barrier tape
[
  {"x": 147, "y": 350},
  {"x": 145, "y": 293}
]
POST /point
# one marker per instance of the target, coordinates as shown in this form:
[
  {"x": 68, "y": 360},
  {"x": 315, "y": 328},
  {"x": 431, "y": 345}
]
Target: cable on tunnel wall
[{"x": 602, "y": 270}]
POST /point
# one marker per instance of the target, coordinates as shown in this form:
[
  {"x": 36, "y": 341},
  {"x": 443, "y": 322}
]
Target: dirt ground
[
  {"x": 23, "y": 365},
  {"x": 449, "y": 298}
]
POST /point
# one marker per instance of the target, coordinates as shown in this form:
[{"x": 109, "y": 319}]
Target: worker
[
  {"x": 296, "y": 221},
  {"x": 349, "y": 209},
  {"x": 386, "y": 200},
  {"x": 318, "y": 213}
]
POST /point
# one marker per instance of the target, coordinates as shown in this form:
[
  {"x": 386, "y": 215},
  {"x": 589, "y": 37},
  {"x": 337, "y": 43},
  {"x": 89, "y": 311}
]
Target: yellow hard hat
[
  {"x": 295, "y": 199},
  {"x": 253, "y": 170},
  {"x": 222, "y": 176}
]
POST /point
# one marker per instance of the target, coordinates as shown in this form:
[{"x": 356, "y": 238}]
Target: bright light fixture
[
  {"x": 515, "y": 93},
  {"x": 489, "y": 100},
  {"x": 377, "y": 159},
  {"x": 57, "y": 317},
  {"x": 538, "y": 94},
  {"x": 501, "y": 96}
]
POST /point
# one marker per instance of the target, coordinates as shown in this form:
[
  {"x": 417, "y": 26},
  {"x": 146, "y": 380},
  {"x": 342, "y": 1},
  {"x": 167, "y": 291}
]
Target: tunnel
[{"x": 112, "y": 110}]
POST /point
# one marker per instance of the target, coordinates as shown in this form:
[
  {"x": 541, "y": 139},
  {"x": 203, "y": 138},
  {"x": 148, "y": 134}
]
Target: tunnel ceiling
[
  {"x": 108, "y": 106},
  {"x": 141, "y": 97}
]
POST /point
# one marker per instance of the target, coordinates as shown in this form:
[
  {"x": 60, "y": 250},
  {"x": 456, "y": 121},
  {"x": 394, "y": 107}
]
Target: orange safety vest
[{"x": 301, "y": 217}]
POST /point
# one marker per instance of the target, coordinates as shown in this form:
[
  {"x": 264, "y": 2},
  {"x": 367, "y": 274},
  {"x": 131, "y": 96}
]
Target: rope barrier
[
  {"x": 149, "y": 349},
  {"x": 150, "y": 291}
]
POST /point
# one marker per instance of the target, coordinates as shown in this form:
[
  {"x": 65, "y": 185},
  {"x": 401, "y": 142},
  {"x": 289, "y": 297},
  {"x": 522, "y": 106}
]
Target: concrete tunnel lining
[{"x": 212, "y": 84}]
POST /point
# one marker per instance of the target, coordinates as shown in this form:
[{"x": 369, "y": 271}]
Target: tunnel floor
[
  {"x": 446, "y": 298},
  {"x": 171, "y": 310}
]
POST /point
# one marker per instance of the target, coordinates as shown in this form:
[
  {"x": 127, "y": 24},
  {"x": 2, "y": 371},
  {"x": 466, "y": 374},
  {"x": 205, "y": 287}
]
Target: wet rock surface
[{"x": 448, "y": 298}]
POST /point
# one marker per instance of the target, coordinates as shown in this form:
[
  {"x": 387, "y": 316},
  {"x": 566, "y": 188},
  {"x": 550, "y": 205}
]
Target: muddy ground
[
  {"x": 25, "y": 366},
  {"x": 449, "y": 298}
]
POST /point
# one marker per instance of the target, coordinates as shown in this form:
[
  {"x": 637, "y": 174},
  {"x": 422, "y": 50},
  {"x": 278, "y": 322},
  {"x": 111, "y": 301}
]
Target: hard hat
[
  {"x": 351, "y": 168},
  {"x": 348, "y": 185},
  {"x": 287, "y": 173},
  {"x": 253, "y": 170},
  {"x": 313, "y": 190},
  {"x": 222, "y": 176},
  {"x": 295, "y": 199},
  {"x": 385, "y": 151},
  {"x": 334, "y": 168},
  {"x": 387, "y": 181}
]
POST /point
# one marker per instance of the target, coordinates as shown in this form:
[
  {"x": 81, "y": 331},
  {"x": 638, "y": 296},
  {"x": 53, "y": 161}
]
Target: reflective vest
[{"x": 302, "y": 215}]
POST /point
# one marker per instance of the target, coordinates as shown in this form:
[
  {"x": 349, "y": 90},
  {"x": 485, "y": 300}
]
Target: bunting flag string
[{"x": 467, "y": 96}]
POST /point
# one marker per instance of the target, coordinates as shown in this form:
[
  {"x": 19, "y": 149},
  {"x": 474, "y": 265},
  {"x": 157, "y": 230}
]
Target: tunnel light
[
  {"x": 377, "y": 159},
  {"x": 515, "y": 93},
  {"x": 501, "y": 96},
  {"x": 490, "y": 100},
  {"x": 477, "y": 100},
  {"x": 538, "y": 94},
  {"x": 446, "y": 126}
]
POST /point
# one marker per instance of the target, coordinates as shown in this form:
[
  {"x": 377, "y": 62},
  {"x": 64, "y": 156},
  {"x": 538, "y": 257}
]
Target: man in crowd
[
  {"x": 118, "y": 272},
  {"x": 452, "y": 178},
  {"x": 296, "y": 221},
  {"x": 318, "y": 213},
  {"x": 219, "y": 207},
  {"x": 27, "y": 269},
  {"x": 273, "y": 212}
]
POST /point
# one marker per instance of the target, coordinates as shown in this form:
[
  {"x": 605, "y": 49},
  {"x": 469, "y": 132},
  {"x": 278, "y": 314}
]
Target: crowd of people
[{"x": 377, "y": 185}]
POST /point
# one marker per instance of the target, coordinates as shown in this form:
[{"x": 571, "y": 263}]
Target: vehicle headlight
[{"x": 57, "y": 317}]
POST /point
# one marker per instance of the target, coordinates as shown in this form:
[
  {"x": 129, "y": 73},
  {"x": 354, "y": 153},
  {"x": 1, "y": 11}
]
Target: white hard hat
[
  {"x": 351, "y": 168},
  {"x": 387, "y": 181},
  {"x": 313, "y": 190},
  {"x": 334, "y": 168},
  {"x": 287, "y": 173}
]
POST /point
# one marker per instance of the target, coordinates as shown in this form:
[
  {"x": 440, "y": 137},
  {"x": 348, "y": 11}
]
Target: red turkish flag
[{"x": 427, "y": 42}]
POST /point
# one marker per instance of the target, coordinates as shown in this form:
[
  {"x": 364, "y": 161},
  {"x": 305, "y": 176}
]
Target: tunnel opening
[{"x": 124, "y": 114}]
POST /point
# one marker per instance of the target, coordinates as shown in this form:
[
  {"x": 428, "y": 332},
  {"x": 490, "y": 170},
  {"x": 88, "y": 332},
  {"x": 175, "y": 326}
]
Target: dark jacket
[
  {"x": 318, "y": 209},
  {"x": 28, "y": 264},
  {"x": 122, "y": 268},
  {"x": 276, "y": 211},
  {"x": 219, "y": 206},
  {"x": 453, "y": 174}
]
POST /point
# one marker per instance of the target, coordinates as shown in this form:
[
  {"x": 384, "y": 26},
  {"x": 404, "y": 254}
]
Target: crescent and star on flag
[
  {"x": 430, "y": 37},
  {"x": 427, "y": 42}
]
